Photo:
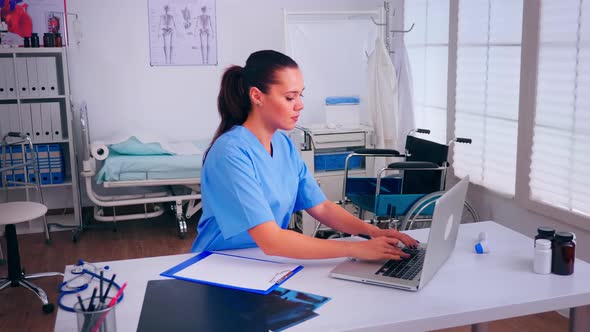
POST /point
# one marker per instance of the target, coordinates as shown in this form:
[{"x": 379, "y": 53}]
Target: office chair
[
  {"x": 12, "y": 213},
  {"x": 406, "y": 199}
]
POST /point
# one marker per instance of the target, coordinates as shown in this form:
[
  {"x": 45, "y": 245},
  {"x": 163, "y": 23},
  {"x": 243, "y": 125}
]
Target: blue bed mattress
[{"x": 157, "y": 167}]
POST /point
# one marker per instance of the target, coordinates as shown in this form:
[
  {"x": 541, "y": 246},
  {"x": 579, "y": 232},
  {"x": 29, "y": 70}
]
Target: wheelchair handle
[
  {"x": 423, "y": 131},
  {"x": 463, "y": 140}
]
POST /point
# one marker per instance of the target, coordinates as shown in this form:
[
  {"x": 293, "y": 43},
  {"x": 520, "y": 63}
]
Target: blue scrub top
[{"x": 243, "y": 186}]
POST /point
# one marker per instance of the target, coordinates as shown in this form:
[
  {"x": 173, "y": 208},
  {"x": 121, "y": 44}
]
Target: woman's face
[{"x": 281, "y": 105}]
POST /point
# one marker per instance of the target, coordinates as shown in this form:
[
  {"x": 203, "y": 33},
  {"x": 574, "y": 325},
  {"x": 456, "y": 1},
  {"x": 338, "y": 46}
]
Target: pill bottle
[
  {"x": 542, "y": 259},
  {"x": 58, "y": 41},
  {"x": 564, "y": 254},
  {"x": 34, "y": 40},
  {"x": 545, "y": 233}
]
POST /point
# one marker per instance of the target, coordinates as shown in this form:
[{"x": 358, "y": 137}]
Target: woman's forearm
[
  {"x": 296, "y": 245},
  {"x": 336, "y": 217}
]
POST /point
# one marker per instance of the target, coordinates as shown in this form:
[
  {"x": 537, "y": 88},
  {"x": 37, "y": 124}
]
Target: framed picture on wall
[{"x": 182, "y": 32}]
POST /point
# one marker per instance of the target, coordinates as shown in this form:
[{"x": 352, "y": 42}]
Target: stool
[{"x": 10, "y": 214}]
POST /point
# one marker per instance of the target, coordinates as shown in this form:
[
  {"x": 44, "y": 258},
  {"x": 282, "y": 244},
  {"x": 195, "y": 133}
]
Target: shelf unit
[
  {"x": 314, "y": 141},
  {"x": 42, "y": 87}
]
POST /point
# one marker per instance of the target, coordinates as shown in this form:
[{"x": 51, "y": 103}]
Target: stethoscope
[{"x": 82, "y": 278}]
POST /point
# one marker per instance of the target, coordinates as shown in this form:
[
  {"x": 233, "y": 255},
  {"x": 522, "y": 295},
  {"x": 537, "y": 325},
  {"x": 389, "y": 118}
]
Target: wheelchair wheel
[
  {"x": 469, "y": 213},
  {"x": 415, "y": 219}
]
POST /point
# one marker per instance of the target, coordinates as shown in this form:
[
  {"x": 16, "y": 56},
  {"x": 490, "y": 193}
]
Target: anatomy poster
[{"x": 182, "y": 32}]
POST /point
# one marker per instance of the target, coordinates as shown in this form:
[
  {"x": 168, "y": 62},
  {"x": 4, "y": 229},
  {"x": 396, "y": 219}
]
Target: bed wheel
[{"x": 182, "y": 228}]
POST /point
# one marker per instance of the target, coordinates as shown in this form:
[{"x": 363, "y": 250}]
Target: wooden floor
[{"x": 20, "y": 310}]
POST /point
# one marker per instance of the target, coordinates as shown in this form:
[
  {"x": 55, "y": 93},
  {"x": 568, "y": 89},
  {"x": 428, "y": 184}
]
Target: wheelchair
[{"x": 405, "y": 199}]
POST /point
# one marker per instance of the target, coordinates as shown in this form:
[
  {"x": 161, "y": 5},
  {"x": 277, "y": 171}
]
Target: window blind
[
  {"x": 487, "y": 91},
  {"x": 560, "y": 171},
  {"x": 428, "y": 48}
]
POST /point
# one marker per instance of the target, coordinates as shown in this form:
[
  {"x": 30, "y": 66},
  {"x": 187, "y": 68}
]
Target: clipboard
[{"x": 232, "y": 271}]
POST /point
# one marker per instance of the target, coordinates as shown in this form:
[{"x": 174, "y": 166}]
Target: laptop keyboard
[{"x": 406, "y": 268}]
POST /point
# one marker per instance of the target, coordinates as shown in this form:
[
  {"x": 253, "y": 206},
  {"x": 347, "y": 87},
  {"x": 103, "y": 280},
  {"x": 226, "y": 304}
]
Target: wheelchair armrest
[
  {"x": 381, "y": 152},
  {"x": 463, "y": 140},
  {"x": 423, "y": 165}
]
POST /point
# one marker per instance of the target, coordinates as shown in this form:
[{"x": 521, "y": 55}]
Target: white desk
[{"x": 468, "y": 289}]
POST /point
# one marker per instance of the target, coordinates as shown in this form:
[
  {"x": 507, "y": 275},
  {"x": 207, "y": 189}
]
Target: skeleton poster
[{"x": 182, "y": 32}]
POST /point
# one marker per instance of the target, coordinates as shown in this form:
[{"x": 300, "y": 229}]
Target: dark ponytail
[{"x": 233, "y": 102}]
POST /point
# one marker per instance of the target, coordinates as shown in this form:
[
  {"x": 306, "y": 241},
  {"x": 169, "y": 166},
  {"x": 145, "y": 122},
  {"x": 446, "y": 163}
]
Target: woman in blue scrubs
[{"x": 253, "y": 178}]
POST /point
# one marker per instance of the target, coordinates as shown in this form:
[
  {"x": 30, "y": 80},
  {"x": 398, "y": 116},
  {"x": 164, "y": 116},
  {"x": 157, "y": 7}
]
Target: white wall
[{"x": 110, "y": 68}]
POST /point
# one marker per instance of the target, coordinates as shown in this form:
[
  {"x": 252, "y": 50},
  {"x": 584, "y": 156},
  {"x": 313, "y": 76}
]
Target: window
[
  {"x": 560, "y": 171},
  {"x": 487, "y": 91},
  {"x": 428, "y": 48}
]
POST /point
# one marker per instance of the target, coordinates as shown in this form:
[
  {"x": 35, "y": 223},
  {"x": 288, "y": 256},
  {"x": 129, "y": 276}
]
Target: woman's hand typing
[
  {"x": 379, "y": 248},
  {"x": 407, "y": 240}
]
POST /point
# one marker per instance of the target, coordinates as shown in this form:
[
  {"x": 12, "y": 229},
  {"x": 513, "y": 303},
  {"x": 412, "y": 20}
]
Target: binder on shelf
[
  {"x": 25, "y": 112},
  {"x": 4, "y": 67},
  {"x": 14, "y": 118},
  {"x": 33, "y": 77},
  {"x": 43, "y": 163},
  {"x": 46, "y": 132},
  {"x": 4, "y": 120},
  {"x": 51, "y": 67},
  {"x": 22, "y": 76},
  {"x": 42, "y": 78},
  {"x": 56, "y": 164},
  {"x": 55, "y": 121},
  {"x": 18, "y": 174},
  {"x": 37, "y": 122},
  {"x": 7, "y": 162},
  {"x": 10, "y": 78},
  {"x": 236, "y": 272}
]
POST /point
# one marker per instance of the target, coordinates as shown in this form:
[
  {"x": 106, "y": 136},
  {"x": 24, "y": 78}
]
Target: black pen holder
[{"x": 97, "y": 316}]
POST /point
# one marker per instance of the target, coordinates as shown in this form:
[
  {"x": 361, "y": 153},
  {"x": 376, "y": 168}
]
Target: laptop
[{"x": 415, "y": 272}]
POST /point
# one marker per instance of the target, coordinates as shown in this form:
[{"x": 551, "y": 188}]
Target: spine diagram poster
[{"x": 182, "y": 32}]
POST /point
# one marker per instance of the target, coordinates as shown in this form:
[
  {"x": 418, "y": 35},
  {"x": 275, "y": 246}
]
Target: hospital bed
[{"x": 178, "y": 174}]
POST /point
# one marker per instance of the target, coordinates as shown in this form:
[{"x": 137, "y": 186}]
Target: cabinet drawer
[{"x": 339, "y": 140}]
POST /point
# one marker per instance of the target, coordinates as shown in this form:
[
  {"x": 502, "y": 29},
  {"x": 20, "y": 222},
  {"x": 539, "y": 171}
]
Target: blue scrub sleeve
[
  {"x": 236, "y": 197},
  {"x": 309, "y": 193}
]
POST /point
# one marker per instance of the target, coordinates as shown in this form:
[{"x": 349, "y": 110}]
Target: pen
[
  {"x": 112, "y": 303},
  {"x": 285, "y": 277},
  {"x": 91, "y": 303},
  {"x": 106, "y": 293},
  {"x": 101, "y": 277},
  {"x": 81, "y": 303}
]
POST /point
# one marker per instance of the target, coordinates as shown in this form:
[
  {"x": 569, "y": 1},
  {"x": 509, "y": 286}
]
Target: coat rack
[{"x": 386, "y": 25}]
